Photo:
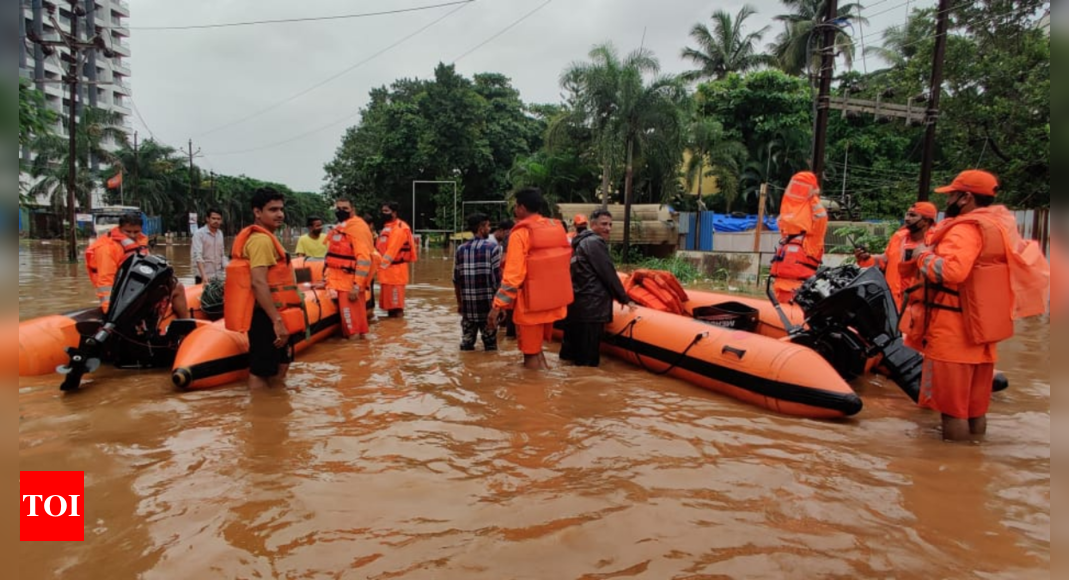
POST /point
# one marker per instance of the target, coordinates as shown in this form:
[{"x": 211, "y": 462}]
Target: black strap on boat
[{"x": 630, "y": 330}]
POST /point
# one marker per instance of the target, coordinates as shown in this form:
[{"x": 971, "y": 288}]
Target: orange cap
[
  {"x": 973, "y": 181},
  {"x": 925, "y": 209},
  {"x": 580, "y": 220}
]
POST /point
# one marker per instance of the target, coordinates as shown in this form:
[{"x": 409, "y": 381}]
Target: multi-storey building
[{"x": 105, "y": 82}]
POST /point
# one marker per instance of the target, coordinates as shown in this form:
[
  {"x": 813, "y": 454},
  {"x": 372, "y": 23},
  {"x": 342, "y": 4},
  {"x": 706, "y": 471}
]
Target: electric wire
[
  {"x": 334, "y": 77},
  {"x": 300, "y": 20},
  {"x": 504, "y": 30}
]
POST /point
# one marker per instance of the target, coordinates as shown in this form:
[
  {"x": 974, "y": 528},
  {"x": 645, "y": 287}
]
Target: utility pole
[
  {"x": 942, "y": 26},
  {"x": 191, "y": 167},
  {"x": 827, "y": 66},
  {"x": 75, "y": 49},
  {"x": 137, "y": 166}
]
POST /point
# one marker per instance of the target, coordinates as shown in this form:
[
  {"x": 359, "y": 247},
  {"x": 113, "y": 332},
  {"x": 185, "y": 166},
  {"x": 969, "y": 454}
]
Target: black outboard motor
[
  {"x": 851, "y": 317},
  {"x": 128, "y": 335}
]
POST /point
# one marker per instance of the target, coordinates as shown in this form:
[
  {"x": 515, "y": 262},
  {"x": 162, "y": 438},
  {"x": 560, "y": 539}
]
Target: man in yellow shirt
[{"x": 313, "y": 244}]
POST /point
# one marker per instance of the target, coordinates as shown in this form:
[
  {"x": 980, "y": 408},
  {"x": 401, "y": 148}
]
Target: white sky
[{"x": 187, "y": 84}]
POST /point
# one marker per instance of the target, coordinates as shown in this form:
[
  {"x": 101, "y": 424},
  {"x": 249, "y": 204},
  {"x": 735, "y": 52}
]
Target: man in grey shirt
[{"x": 209, "y": 248}]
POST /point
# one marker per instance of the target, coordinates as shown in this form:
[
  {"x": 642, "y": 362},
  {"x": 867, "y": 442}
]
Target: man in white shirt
[{"x": 209, "y": 248}]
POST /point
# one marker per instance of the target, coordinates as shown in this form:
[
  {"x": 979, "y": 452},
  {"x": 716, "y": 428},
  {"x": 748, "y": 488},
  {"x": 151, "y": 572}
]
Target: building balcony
[
  {"x": 120, "y": 7},
  {"x": 119, "y": 29},
  {"x": 120, "y": 69},
  {"x": 121, "y": 48},
  {"x": 122, "y": 89}
]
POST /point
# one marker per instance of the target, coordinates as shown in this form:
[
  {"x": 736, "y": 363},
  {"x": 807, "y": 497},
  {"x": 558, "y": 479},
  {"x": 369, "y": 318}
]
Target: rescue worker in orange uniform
[
  {"x": 350, "y": 246},
  {"x": 537, "y": 281},
  {"x": 803, "y": 225},
  {"x": 580, "y": 223},
  {"x": 107, "y": 254},
  {"x": 261, "y": 294},
  {"x": 899, "y": 261},
  {"x": 397, "y": 246},
  {"x": 979, "y": 277}
]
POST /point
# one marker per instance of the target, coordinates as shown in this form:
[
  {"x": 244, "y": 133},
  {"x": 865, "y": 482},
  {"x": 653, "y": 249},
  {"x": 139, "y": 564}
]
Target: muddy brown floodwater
[{"x": 401, "y": 457}]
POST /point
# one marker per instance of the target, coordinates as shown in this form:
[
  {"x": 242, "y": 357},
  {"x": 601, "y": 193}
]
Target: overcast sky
[{"x": 198, "y": 83}]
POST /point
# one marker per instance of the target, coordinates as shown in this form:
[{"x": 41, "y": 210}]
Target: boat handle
[{"x": 735, "y": 351}]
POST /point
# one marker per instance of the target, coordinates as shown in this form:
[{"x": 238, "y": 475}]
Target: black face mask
[
  {"x": 915, "y": 228},
  {"x": 953, "y": 210},
  {"x": 342, "y": 215}
]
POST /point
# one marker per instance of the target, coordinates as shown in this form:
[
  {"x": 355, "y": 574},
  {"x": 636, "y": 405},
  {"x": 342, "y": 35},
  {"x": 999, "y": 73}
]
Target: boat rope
[{"x": 630, "y": 329}]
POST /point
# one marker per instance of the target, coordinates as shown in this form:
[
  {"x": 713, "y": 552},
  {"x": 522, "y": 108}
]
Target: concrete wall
[{"x": 743, "y": 267}]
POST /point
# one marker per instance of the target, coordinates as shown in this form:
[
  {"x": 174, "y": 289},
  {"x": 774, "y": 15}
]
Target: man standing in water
[
  {"x": 209, "y": 248},
  {"x": 349, "y": 268},
  {"x": 596, "y": 285},
  {"x": 109, "y": 252},
  {"x": 313, "y": 244},
  {"x": 260, "y": 285},
  {"x": 979, "y": 276},
  {"x": 398, "y": 248},
  {"x": 537, "y": 282},
  {"x": 476, "y": 277},
  {"x": 899, "y": 262}
]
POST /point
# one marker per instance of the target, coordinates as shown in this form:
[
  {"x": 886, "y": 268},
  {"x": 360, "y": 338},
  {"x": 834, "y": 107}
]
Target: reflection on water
[{"x": 401, "y": 457}]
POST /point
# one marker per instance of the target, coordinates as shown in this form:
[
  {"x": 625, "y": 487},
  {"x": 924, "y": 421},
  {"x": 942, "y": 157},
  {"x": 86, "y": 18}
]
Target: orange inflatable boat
[
  {"x": 779, "y": 376},
  {"x": 43, "y": 342},
  {"x": 212, "y": 356}
]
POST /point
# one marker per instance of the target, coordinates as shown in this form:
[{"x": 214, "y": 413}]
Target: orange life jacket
[
  {"x": 1010, "y": 279},
  {"x": 657, "y": 290},
  {"x": 548, "y": 285},
  {"x": 344, "y": 266},
  {"x": 791, "y": 261},
  {"x": 239, "y": 300},
  {"x": 409, "y": 252},
  {"x": 113, "y": 243}
]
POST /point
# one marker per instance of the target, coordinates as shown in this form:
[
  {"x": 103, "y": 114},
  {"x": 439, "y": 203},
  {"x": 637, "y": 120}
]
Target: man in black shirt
[{"x": 596, "y": 285}]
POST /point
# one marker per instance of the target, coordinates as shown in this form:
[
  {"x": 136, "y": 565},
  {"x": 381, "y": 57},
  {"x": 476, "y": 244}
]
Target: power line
[
  {"x": 504, "y": 30},
  {"x": 308, "y": 19},
  {"x": 336, "y": 76}
]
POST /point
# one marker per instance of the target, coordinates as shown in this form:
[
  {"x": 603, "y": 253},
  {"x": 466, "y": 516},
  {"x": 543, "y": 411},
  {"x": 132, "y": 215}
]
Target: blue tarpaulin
[{"x": 726, "y": 224}]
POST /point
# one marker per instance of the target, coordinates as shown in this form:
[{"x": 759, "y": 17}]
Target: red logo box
[{"x": 52, "y": 506}]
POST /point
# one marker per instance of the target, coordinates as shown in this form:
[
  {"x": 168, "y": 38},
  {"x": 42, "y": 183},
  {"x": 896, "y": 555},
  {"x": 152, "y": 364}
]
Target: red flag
[{"x": 115, "y": 182}]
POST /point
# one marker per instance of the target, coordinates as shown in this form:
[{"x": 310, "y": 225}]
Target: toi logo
[{"x": 52, "y": 506}]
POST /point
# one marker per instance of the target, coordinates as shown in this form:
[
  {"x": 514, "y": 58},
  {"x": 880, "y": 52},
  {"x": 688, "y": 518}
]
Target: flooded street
[{"x": 401, "y": 457}]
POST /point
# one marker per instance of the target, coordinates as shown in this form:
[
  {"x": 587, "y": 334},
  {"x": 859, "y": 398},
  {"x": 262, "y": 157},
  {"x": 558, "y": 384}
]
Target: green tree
[
  {"x": 796, "y": 49},
  {"x": 596, "y": 89},
  {"x": 727, "y": 48},
  {"x": 152, "y": 178},
  {"x": 770, "y": 113},
  {"x": 450, "y": 128},
  {"x": 97, "y": 131},
  {"x": 713, "y": 154}
]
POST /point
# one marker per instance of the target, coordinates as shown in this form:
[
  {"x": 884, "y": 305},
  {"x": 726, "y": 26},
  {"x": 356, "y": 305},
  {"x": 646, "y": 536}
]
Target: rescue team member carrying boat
[
  {"x": 104, "y": 257},
  {"x": 349, "y": 268},
  {"x": 803, "y": 224},
  {"x": 261, "y": 294},
  {"x": 899, "y": 262},
  {"x": 977, "y": 279},
  {"x": 537, "y": 281},
  {"x": 398, "y": 247}
]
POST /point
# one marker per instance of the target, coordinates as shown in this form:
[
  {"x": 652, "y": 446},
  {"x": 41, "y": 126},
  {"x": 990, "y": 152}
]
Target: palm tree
[
  {"x": 727, "y": 48},
  {"x": 97, "y": 130},
  {"x": 151, "y": 176},
  {"x": 902, "y": 43},
  {"x": 796, "y": 49},
  {"x": 596, "y": 103},
  {"x": 712, "y": 154}
]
